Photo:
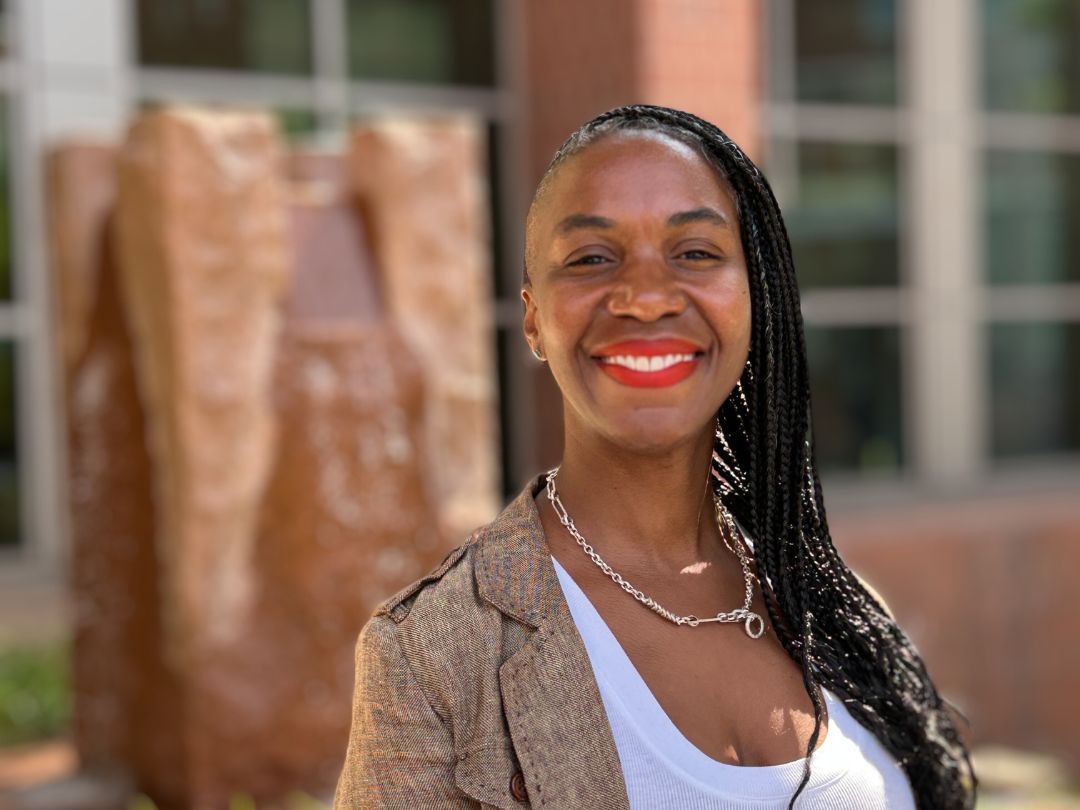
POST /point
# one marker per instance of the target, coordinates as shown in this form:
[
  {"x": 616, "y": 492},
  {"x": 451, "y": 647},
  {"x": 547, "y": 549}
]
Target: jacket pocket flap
[{"x": 485, "y": 773}]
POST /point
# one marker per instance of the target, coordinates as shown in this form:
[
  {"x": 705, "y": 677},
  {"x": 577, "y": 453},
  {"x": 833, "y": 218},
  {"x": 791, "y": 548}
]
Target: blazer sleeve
[{"x": 401, "y": 755}]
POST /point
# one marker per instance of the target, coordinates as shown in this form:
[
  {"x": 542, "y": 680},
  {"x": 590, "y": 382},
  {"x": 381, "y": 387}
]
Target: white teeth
[{"x": 654, "y": 363}]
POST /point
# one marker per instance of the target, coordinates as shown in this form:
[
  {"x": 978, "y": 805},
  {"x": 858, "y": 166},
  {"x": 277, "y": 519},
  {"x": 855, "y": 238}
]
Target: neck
[{"x": 657, "y": 504}]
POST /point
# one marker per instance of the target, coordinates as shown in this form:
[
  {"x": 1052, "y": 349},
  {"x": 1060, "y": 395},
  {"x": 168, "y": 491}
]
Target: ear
[{"x": 532, "y": 331}]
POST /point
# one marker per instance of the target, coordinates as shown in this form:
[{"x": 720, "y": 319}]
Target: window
[
  {"x": 855, "y": 386},
  {"x": 844, "y": 219},
  {"x": 840, "y": 191},
  {"x": 272, "y": 36},
  {"x": 1035, "y": 388},
  {"x": 846, "y": 51},
  {"x": 1029, "y": 55},
  {"x": 1032, "y": 214},
  {"x": 1032, "y": 217},
  {"x": 1030, "y": 226},
  {"x": 934, "y": 227},
  {"x": 433, "y": 41}
]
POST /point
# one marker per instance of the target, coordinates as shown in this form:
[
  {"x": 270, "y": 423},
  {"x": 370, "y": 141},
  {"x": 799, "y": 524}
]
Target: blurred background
[{"x": 345, "y": 181}]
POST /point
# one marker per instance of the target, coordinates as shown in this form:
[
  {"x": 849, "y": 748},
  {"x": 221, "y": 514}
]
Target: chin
[{"x": 652, "y": 433}]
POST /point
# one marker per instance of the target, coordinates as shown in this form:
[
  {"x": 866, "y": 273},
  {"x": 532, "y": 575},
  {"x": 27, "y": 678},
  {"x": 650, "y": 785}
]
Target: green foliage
[
  {"x": 35, "y": 692},
  {"x": 141, "y": 802}
]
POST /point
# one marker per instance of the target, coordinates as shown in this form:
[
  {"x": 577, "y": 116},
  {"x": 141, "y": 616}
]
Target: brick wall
[{"x": 986, "y": 588}]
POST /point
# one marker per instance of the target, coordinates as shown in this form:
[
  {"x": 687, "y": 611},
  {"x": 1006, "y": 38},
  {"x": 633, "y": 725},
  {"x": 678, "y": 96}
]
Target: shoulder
[
  {"x": 459, "y": 623},
  {"x": 454, "y": 573},
  {"x": 443, "y": 636}
]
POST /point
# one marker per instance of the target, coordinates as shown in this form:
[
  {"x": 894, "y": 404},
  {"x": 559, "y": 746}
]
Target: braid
[{"x": 763, "y": 468}]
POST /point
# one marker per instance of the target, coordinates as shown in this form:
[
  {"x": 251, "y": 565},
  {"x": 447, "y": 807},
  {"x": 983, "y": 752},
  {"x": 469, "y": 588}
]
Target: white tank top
[{"x": 665, "y": 771}]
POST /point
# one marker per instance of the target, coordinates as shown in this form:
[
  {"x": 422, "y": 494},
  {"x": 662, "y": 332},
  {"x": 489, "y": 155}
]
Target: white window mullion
[
  {"x": 37, "y": 410},
  {"x": 330, "y": 62},
  {"x": 945, "y": 365},
  {"x": 72, "y": 60}
]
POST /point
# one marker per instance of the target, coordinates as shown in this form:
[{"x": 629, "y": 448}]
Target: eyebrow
[
  {"x": 577, "y": 222},
  {"x": 710, "y": 215}
]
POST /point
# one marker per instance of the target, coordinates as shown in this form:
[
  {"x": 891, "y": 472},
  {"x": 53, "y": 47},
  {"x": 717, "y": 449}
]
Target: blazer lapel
[{"x": 552, "y": 704}]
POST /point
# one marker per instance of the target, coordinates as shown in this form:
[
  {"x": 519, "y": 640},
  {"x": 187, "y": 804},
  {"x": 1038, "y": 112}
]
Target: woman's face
[{"x": 638, "y": 294}]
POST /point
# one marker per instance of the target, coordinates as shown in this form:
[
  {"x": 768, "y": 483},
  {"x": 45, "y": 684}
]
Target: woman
[{"x": 662, "y": 622}]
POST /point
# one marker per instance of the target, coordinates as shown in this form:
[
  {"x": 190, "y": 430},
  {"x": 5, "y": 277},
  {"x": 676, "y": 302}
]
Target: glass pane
[
  {"x": 1035, "y": 388},
  {"x": 435, "y": 41},
  {"x": 855, "y": 384},
  {"x": 1031, "y": 55},
  {"x": 3, "y": 28},
  {"x": 845, "y": 51},
  {"x": 9, "y": 470},
  {"x": 844, "y": 216},
  {"x": 5, "y": 206},
  {"x": 1033, "y": 217},
  {"x": 272, "y": 36}
]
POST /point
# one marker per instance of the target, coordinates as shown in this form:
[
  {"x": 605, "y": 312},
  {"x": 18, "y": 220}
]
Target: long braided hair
[{"x": 763, "y": 469}]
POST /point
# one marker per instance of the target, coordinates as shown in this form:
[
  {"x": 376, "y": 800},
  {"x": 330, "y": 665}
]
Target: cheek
[
  {"x": 562, "y": 318},
  {"x": 732, "y": 317}
]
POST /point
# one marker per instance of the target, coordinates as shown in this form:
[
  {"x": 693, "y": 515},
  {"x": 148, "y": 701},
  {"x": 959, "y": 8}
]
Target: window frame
[{"x": 944, "y": 303}]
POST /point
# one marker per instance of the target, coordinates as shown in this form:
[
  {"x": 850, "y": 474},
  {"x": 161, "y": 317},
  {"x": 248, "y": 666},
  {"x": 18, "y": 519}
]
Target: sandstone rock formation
[
  {"x": 203, "y": 250},
  {"x": 128, "y": 702},
  {"x": 345, "y": 523},
  {"x": 420, "y": 183},
  {"x": 244, "y": 495}
]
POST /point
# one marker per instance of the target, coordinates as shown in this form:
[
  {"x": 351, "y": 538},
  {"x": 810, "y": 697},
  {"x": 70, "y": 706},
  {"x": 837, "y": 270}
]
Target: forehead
[{"x": 635, "y": 173}]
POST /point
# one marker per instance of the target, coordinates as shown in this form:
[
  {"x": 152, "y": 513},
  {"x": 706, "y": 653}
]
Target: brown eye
[
  {"x": 591, "y": 259},
  {"x": 698, "y": 255}
]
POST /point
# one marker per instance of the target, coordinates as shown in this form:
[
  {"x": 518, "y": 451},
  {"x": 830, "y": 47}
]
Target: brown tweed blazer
[{"x": 474, "y": 689}]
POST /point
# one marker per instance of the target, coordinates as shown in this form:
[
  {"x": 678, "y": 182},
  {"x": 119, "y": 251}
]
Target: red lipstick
[{"x": 649, "y": 363}]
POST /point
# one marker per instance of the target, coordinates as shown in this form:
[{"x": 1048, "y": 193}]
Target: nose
[{"x": 646, "y": 289}]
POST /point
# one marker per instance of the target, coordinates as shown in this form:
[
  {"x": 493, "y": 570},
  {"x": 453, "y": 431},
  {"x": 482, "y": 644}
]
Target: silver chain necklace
[{"x": 752, "y": 621}]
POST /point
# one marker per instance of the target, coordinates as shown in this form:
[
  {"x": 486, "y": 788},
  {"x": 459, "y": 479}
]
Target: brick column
[
  {"x": 587, "y": 56},
  {"x": 705, "y": 57}
]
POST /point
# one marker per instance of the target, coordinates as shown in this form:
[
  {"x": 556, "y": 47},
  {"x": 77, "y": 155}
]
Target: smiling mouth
[{"x": 650, "y": 363}]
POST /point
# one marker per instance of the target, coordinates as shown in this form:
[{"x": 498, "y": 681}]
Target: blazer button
[{"x": 517, "y": 787}]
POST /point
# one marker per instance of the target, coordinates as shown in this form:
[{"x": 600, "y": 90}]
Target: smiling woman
[{"x": 671, "y": 627}]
